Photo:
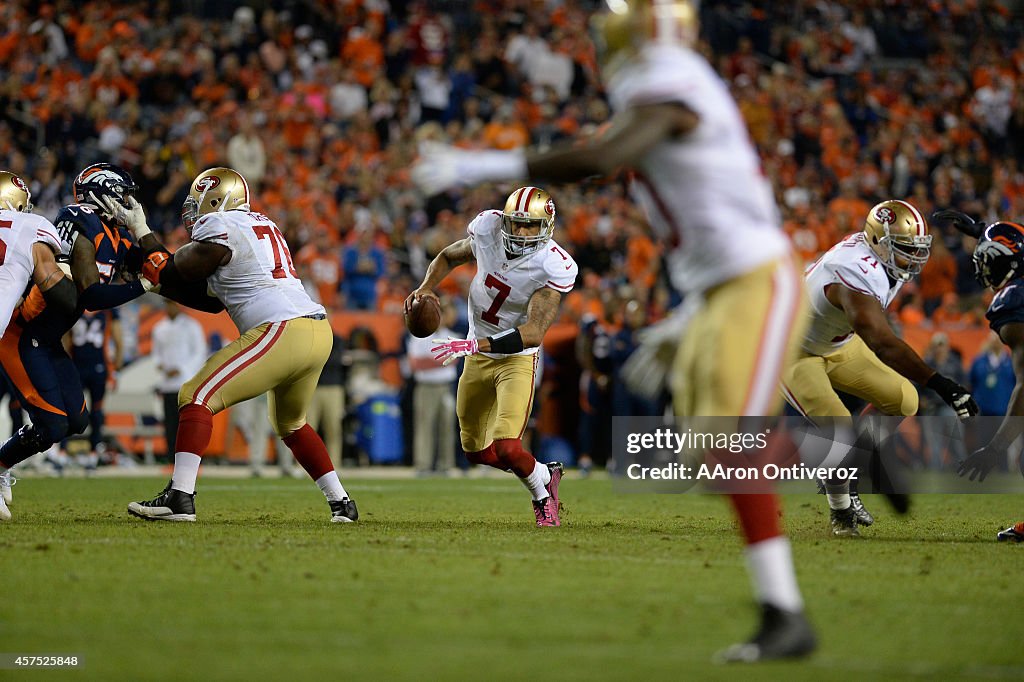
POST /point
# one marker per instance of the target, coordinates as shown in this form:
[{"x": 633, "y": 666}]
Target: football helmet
[
  {"x": 630, "y": 24},
  {"x": 216, "y": 189},
  {"x": 999, "y": 256},
  {"x": 896, "y": 231},
  {"x": 529, "y": 207},
  {"x": 14, "y": 193},
  {"x": 103, "y": 180}
]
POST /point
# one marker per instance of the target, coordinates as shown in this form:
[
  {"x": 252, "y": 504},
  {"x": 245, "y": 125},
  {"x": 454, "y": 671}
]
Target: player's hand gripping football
[
  {"x": 954, "y": 395},
  {"x": 449, "y": 350},
  {"x": 979, "y": 463},
  {"x": 131, "y": 216}
]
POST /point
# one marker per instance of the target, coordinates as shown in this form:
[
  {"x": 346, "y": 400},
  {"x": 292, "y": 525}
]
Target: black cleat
[
  {"x": 344, "y": 511},
  {"x": 863, "y": 516},
  {"x": 1014, "y": 533},
  {"x": 783, "y": 634},
  {"x": 169, "y": 505},
  {"x": 844, "y": 522}
]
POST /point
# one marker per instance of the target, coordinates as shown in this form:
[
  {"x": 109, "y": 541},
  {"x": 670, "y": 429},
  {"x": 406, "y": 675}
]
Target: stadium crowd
[{"x": 322, "y": 105}]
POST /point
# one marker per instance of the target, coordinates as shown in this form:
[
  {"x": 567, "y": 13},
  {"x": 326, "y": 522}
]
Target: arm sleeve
[
  {"x": 62, "y": 297},
  {"x": 103, "y": 296},
  {"x": 192, "y": 295},
  {"x": 211, "y": 228},
  {"x": 561, "y": 270}
]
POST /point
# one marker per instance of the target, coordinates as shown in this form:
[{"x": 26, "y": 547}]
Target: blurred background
[{"x": 321, "y": 105}]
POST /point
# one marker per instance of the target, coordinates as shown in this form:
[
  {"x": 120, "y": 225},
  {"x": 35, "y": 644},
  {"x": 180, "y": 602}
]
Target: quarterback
[
  {"x": 697, "y": 174},
  {"x": 285, "y": 337},
  {"x": 522, "y": 274},
  {"x": 850, "y": 345},
  {"x": 29, "y": 245}
]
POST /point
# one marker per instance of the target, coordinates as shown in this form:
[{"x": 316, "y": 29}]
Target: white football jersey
[
  {"x": 18, "y": 232},
  {"x": 850, "y": 263},
  {"x": 501, "y": 290},
  {"x": 705, "y": 194},
  {"x": 259, "y": 283}
]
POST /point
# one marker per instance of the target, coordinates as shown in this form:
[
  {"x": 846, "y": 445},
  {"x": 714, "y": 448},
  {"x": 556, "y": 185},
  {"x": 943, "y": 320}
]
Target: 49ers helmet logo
[
  {"x": 207, "y": 183},
  {"x": 885, "y": 215},
  {"x": 19, "y": 183},
  {"x": 549, "y": 207}
]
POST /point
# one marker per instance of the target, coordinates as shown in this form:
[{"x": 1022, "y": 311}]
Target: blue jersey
[
  {"x": 89, "y": 339},
  {"x": 112, "y": 246},
  {"x": 601, "y": 345},
  {"x": 1007, "y": 306}
]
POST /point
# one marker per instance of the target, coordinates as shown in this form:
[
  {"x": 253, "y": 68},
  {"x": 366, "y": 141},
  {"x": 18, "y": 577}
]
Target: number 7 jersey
[
  {"x": 501, "y": 289},
  {"x": 259, "y": 283}
]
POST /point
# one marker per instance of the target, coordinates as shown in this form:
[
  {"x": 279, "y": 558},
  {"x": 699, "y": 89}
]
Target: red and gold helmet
[
  {"x": 628, "y": 25},
  {"x": 14, "y": 193},
  {"x": 529, "y": 207},
  {"x": 898, "y": 234},
  {"x": 214, "y": 190}
]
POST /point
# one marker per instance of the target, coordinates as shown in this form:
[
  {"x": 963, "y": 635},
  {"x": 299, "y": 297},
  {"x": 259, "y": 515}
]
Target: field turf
[{"x": 449, "y": 580}]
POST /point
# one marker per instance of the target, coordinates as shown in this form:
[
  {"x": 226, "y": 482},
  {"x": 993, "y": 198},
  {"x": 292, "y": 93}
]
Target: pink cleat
[{"x": 546, "y": 510}]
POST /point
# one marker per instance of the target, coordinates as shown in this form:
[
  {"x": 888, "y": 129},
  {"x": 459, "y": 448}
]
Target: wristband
[{"x": 507, "y": 343}]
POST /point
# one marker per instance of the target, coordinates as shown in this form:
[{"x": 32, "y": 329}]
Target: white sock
[
  {"x": 771, "y": 570},
  {"x": 186, "y": 470},
  {"x": 538, "y": 478},
  {"x": 838, "y": 495},
  {"x": 331, "y": 486}
]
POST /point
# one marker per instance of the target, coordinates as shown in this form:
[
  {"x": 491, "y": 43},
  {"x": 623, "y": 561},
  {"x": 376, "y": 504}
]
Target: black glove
[
  {"x": 979, "y": 463},
  {"x": 958, "y": 220},
  {"x": 954, "y": 395}
]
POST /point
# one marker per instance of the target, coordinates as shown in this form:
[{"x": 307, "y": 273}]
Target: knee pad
[
  {"x": 50, "y": 428},
  {"x": 78, "y": 423}
]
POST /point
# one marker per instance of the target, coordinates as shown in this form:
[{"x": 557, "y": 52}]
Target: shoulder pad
[
  {"x": 1006, "y": 307},
  {"x": 78, "y": 218}
]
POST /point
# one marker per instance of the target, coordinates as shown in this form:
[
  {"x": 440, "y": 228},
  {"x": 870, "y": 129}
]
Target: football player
[
  {"x": 32, "y": 352},
  {"x": 999, "y": 264},
  {"x": 698, "y": 175},
  {"x": 89, "y": 341},
  {"x": 522, "y": 274},
  {"x": 285, "y": 339},
  {"x": 850, "y": 346},
  {"x": 29, "y": 246}
]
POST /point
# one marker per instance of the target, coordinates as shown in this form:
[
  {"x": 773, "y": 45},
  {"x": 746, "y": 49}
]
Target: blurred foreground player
[
  {"x": 285, "y": 337},
  {"x": 999, "y": 264},
  {"x": 29, "y": 245},
  {"x": 698, "y": 175},
  {"x": 521, "y": 277}
]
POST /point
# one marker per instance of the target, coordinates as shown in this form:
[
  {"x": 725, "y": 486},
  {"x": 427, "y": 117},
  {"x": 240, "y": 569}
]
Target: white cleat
[
  {"x": 6, "y": 481},
  {"x": 5, "y": 513}
]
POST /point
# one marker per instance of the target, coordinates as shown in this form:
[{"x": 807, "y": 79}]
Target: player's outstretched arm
[
  {"x": 452, "y": 256},
  {"x": 869, "y": 322},
  {"x": 93, "y": 294},
  {"x": 58, "y": 291}
]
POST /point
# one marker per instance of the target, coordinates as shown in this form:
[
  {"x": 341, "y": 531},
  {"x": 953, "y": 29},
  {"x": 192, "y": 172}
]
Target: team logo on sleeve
[
  {"x": 207, "y": 183},
  {"x": 885, "y": 215}
]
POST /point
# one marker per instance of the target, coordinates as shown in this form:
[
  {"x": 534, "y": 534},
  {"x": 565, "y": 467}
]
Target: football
[{"x": 424, "y": 317}]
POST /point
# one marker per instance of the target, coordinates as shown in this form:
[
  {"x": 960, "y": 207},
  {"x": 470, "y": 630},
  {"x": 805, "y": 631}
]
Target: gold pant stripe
[
  {"x": 776, "y": 332},
  {"x": 533, "y": 387},
  {"x": 238, "y": 362}
]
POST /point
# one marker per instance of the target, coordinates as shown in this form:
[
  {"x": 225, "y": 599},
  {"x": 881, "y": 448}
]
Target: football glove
[
  {"x": 647, "y": 370},
  {"x": 441, "y": 167},
  {"x": 954, "y": 395},
  {"x": 449, "y": 350},
  {"x": 959, "y": 221},
  {"x": 132, "y": 216},
  {"x": 979, "y": 463}
]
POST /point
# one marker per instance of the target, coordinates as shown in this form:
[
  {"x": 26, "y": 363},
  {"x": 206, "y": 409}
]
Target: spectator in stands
[
  {"x": 179, "y": 348},
  {"x": 992, "y": 378},
  {"x": 327, "y": 410},
  {"x": 363, "y": 265},
  {"x": 948, "y": 362},
  {"x": 246, "y": 153}
]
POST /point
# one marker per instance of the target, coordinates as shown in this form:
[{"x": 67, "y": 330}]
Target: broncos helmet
[
  {"x": 14, "y": 193},
  {"x": 999, "y": 256},
  {"x": 103, "y": 180}
]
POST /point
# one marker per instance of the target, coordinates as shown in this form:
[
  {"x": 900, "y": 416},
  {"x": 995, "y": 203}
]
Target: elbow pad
[{"x": 62, "y": 297}]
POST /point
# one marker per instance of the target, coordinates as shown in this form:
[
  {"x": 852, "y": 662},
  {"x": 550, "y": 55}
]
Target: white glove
[
  {"x": 442, "y": 167},
  {"x": 133, "y": 216},
  {"x": 148, "y": 286},
  {"x": 647, "y": 370},
  {"x": 449, "y": 350}
]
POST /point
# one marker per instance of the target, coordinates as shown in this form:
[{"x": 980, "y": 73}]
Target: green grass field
[{"x": 449, "y": 580}]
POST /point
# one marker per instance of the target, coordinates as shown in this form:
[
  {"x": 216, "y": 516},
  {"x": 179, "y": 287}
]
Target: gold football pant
[
  {"x": 735, "y": 348},
  {"x": 810, "y": 384},
  {"x": 282, "y": 358},
  {"x": 494, "y": 399}
]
